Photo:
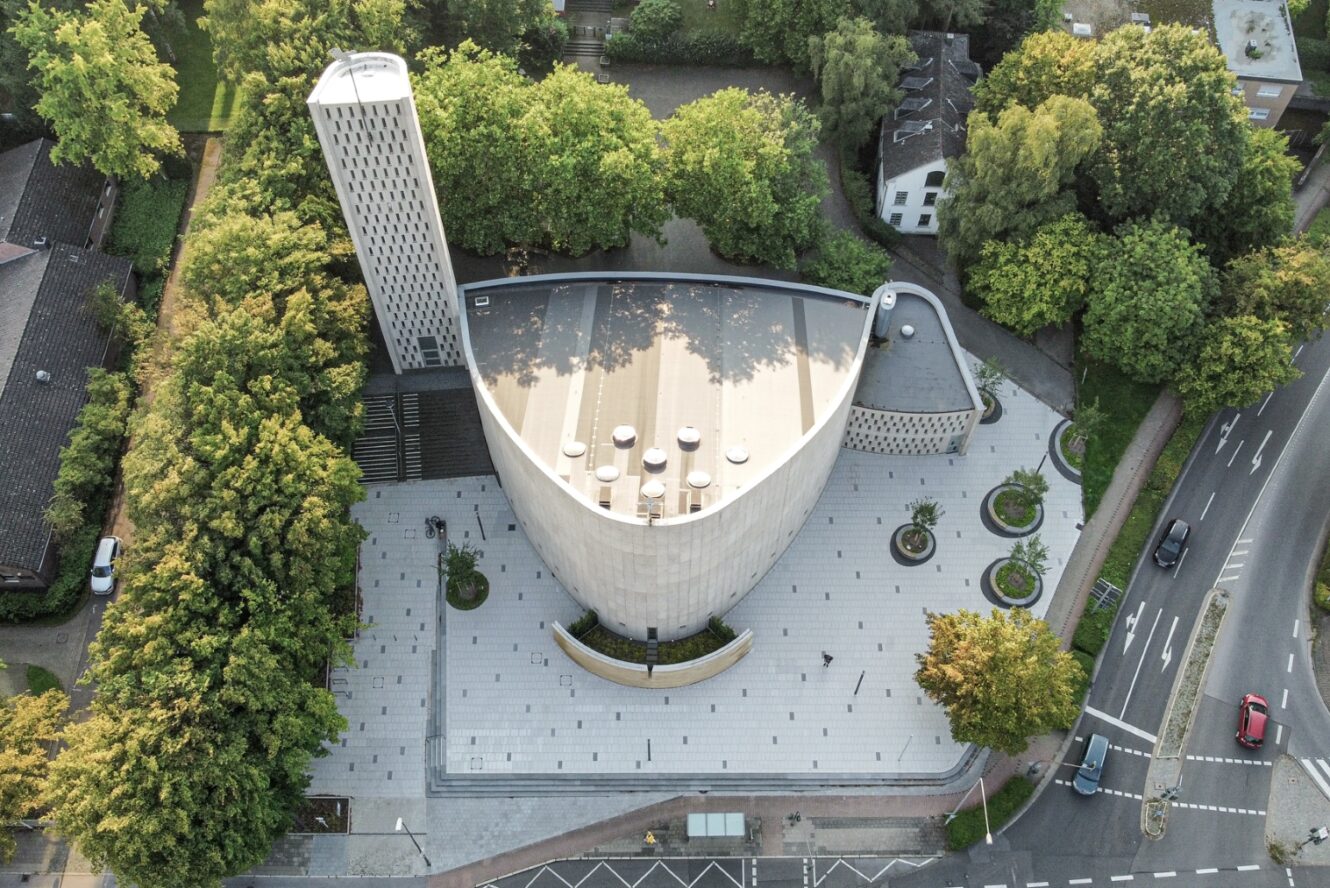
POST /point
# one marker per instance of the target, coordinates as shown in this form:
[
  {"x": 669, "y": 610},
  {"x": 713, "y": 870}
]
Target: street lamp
[
  {"x": 402, "y": 827},
  {"x": 988, "y": 833}
]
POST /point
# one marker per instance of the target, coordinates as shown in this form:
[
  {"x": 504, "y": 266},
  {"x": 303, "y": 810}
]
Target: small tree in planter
[
  {"x": 1018, "y": 505},
  {"x": 1085, "y": 424},
  {"x": 467, "y": 587},
  {"x": 924, "y": 516},
  {"x": 989, "y": 377},
  {"x": 1018, "y": 577}
]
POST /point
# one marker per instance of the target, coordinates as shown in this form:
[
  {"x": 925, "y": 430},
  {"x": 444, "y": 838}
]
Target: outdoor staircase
[
  {"x": 411, "y": 436},
  {"x": 587, "y": 21}
]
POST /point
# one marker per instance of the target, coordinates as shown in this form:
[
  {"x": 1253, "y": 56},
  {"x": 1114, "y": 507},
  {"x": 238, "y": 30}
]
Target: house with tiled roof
[
  {"x": 925, "y": 131},
  {"x": 52, "y": 218}
]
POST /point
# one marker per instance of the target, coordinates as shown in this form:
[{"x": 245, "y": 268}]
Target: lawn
[
  {"x": 42, "y": 680},
  {"x": 1124, "y": 403},
  {"x": 967, "y": 827},
  {"x": 697, "y": 17},
  {"x": 205, "y": 103}
]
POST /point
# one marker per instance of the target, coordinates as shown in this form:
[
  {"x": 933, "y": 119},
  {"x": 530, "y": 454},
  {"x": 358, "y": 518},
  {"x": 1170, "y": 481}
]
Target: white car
[{"x": 102, "y": 581}]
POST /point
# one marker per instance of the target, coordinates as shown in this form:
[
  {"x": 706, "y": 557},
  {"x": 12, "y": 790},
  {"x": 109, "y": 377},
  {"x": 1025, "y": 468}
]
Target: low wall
[{"x": 635, "y": 675}]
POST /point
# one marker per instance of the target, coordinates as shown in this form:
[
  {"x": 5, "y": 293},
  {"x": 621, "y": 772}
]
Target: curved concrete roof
[{"x": 739, "y": 362}]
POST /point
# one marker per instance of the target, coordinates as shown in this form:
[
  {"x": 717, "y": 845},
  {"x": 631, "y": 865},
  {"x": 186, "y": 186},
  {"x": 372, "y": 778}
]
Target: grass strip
[
  {"x": 967, "y": 827},
  {"x": 1124, "y": 403}
]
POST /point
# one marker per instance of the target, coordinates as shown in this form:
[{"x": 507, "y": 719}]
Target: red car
[{"x": 1253, "y": 713}]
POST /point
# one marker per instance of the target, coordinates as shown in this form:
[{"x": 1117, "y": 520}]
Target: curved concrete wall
[
  {"x": 673, "y": 574},
  {"x": 635, "y": 675},
  {"x": 908, "y": 434}
]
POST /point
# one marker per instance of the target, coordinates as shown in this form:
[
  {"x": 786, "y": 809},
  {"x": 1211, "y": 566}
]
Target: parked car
[
  {"x": 1253, "y": 714},
  {"x": 1086, "y": 781},
  {"x": 103, "y": 566},
  {"x": 1170, "y": 544}
]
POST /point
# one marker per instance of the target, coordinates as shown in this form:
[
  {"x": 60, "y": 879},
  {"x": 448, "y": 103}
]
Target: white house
[{"x": 926, "y": 129}]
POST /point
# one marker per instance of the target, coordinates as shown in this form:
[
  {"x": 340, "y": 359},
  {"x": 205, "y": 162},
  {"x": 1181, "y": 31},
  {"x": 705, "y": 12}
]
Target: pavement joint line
[{"x": 1119, "y": 723}]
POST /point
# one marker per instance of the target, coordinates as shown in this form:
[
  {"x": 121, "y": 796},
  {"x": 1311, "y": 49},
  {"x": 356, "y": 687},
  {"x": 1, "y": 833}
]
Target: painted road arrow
[
  {"x": 1168, "y": 646},
  {"x": 1132, "y": 620},
  {"x": 1225, "y": 429},
  {"x": 1256, "y": 460}
]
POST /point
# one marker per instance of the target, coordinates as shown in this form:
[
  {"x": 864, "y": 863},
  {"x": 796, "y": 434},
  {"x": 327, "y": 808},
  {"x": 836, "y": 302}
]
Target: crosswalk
[{"x": 1319, "y": 769}]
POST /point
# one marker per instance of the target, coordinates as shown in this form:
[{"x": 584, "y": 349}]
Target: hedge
[
  {"x": 144, "y": 231},
  {"x": 66, "y": 591},
  {"x": 704, "y": 48},
  {"x": 1314, "y": 54},
  {"x": 967, "y": 827},
  {"x": 1086, "y": 662},
  {"x": 846, "y": 262},
  {"x": 1093, "y": 630},
  {"x": 859, "y": 194}
]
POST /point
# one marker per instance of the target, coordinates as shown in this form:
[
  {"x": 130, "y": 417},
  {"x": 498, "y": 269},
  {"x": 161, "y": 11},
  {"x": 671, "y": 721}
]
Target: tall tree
[
  {"x": 1287, "y": 283},
  {"x": 16, "y": 78},
  {"x": 102, "y": 88},
  {"x": 254, "y": 36},
  {"x": 1029, "y": 285},
  {"x": 777, "y": 31},
  {"x": 1258, "y": 210},
  {"x": 857, "y": 68},
  {"x": 742, "y": 165},
  {"x": 28, "y": 727},
  {"x": 1016, "y": 174},
  {"x": 1239, "y": 360},
  {"x": 1046, "y": 64},
  {"x": 1147, "y": 299},
  {"x": 496, "y": 25},
  {"x": 1001, "y": 678},
  {"x": 889, "y": 16},
  {"x": 1175, "y": 136}
]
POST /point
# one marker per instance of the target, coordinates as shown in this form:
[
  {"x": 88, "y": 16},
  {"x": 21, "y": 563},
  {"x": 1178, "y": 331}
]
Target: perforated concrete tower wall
[{"x": 366, "y": 121}]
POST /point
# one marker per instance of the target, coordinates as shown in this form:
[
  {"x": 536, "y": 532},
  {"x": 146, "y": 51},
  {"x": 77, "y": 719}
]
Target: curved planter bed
[
  {"x": 988, "y": 582},
  {"x": 639, "y": 675},
  {"x": 908, "y": 559},
  {"x": 995, "y": 524},
  {"x": 993, "y": 416},
  {"x": 1060, "y": 461}
]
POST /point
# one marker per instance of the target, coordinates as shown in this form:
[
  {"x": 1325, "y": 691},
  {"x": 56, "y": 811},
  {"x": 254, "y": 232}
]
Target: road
[{"x": 1254, "y": 494}]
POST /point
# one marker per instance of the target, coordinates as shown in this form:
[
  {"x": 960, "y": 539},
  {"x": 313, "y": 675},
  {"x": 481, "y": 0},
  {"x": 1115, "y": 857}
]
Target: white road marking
[
  {"x": 1256, "y": 457},
  {"x": 1036, "y": 885},
  {"x": 1249, "y": 867},
  {"x": 1132, "y": 620},
  {"x": 1283, "y": 704},
  {"x": 1159, "y": 613},
  {"x": 1207, "y": 871},
  {"x": 1263, "y": 403},
  {"x": 1167, "y": 655},
  {"x": 1279, "y": 733},
  {"x": 1290, "y": 663},
  {"x": 1235, "y": 452},
  {"x": 1296, "y": 624},
  {"x": 1120, "y": 878},
  {"x": 1224, "y": 431},
  {"x": 1168, "y": 875},
  {"x": 1080, "y": 881},
  {"x": 1180, "y": 560},
  {"x": 1119, "y": 723},
  {"x": 1000, "y": 885},
  {"x": 1227, "y": 578},
  {"x": 1226, "y": 761},
  {"x": 1240, "y": 542},
  {"x": 1320, "y": 781},
  {"x": 1207, "y": 507},
  {"x": 1295, "y": 355}
]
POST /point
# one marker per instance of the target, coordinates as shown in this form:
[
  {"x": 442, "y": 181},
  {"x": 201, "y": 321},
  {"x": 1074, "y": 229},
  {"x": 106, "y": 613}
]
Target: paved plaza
[{"x": 506, "y": 702}]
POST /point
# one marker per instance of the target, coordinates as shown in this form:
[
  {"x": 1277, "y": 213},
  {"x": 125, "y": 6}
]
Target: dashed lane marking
[
  {"x": 1251, "y": 867},
  {"x": 1120, "y": 878},
  {"x": 1144, "y": 753},
  {"x": 1227, "y": 761},
  {"x": 1080, "y": 881},
  {"x": 1107, "y": 791},
  {"x": 1207, "y": 871},
  {"x": 1221, "y": 809},
  {"x": 1171, "y": 874}
]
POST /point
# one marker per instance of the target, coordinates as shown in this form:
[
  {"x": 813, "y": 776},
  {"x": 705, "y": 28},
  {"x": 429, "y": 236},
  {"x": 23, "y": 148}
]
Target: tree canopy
[
  {"x": 1239, "y": 360},
  {"x": 742, "y": 165},
  {"x": 102, "y": 88},
  {"x": 778, "y": 31},
  {"x": 1287, "y": 283},
  {"x": 28, "y": 726},
  {"x": 1047, "y": 64},
  {"x": 857, "y": 69},
  {"x": 1001, "y": 678},
  {"x": 1016, "y": 173},
  {"x": 1031, "y": 284},
  {"x": 565, "y": 163},
  {"x": 1148, "y": 297}
]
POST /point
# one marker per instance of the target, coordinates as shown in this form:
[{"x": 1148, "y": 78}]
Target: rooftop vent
[
  {"x": 737, "y": 454},
  {"x": 43, "y": 376},
  {"x": 606, "y": 474},
  {"x": 912, "y": 83},
  {"x": 699, "y": 479},
  {"x": 654, "y": 459},
  {"x": 623, "y": 436},
  {"x": 39, "y": 243},
  {"x": 574, "y": 449},
  {"x": 1252, "y": 50},
  {"x": 689, "y": 436},
  {"x": 907, "y": 331},
  {"x": 653, "y": 490}
]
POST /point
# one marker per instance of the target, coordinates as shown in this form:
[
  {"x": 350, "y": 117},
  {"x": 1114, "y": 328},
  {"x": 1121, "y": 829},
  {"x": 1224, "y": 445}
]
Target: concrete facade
[
  {"x": 366, "y": 121},
  {"x": 672, "y": 574}
]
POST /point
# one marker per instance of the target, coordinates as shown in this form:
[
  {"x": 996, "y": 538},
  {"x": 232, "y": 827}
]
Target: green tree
[
  {"x": 889, "y": 16},
  {"x": 1016, "y": 174},
  {"x": 989, "y": 377},
  {"x": 925, "y": 513},
  {"x": 742, "y": 165},
  {"x": 29, "y": 726},
  {"x": 1032, "y": 553},
  {"x": 1258, "y": 210},
  {"x": 857, "y": 69},
  {"x": 847, "y": 262},
  {"x": 1002, "y": 678},
  {"x": 778, "y": 31},
  {"x": 1175, "y": 136},
  {"x": 496, "y": 25},
  {"x": 1288, "y": 283},
  {"x": 15, "y": 77},
  {"x": 259, "y": 36},
  {"x": 1239, "y": 360},
  {"x": 87, "y": 463},
  {"x": 656, "y": 19},
  {"x": 1032, "y": 485},
  {"x": 1046, "y": 64},
  {"x": 1029, "y": 285},
  {"x": 1149, "y": 294},
  {"x": 102, "y": 88}
]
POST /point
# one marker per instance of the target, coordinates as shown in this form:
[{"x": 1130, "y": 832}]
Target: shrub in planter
[
  {"x": 989, "y": 377},
  {"x": 721, "y": 630},
  {"x": 467, "y": 587},
  {"x": 583, "y": 624}
]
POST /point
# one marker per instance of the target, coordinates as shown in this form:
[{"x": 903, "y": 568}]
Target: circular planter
[
  {"x": 1060, "y": 460},
  {"x": 906, "y": 558},
  {"x": 996, "y": 524},
  {"x": 988, "y": 582},
  {"x": 481, "y": 591},
  {"x": 991, "y": 413}
]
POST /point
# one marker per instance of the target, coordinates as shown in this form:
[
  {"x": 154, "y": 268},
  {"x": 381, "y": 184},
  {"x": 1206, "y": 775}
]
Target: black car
[
  {"x": 1088, "y": 775},
  {"x": 1170, "y": 545}
]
